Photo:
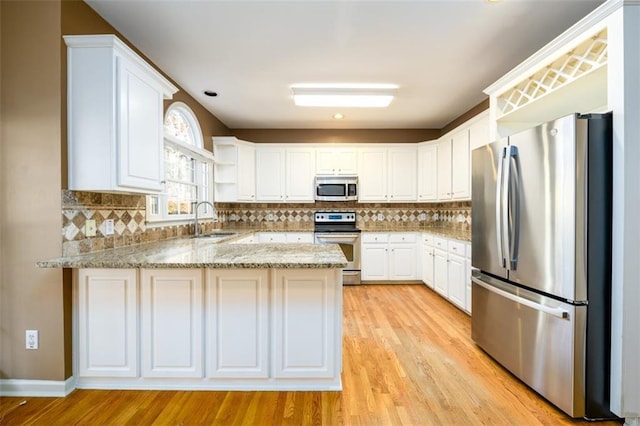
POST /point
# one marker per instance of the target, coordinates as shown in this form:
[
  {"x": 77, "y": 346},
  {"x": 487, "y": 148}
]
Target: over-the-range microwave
[{"x": 336, "y": 188}]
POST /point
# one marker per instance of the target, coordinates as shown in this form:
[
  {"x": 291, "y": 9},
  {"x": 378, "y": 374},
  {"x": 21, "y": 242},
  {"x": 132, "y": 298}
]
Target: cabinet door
[
  {"x": 375, "y": 262},
  {"x": 461, "y": 170},
  {"x": 444, "y": 169},
  {"x": 403, "y": 174},
  {"x": 307, "y": 338},
  {"x": 440, "y": 280},
  {"x": 457, "y": 284},
  {"x": 346, "y": 161},
  {"x": 479, "y": 133},
  {"x": 402, "y": 262},
  {"x": 428, "y": 266},
  {"x": 246, "y": 173},
  {"x": 139, "y": 149},
  {"x": 372, "y": 176},
  {"x": 172, "y": 317},
  {"x": 270, "y": 174},
  {"x": 271, "y": 237},
  {"x": 428, "y": 172},
  {"x": 299, "y": 176},
  {"x": 237, "y": 323},
  {"x": 336, "y": 161},
  {"x": 299, "y": 237},
  {"x": 107, "y": 322}
]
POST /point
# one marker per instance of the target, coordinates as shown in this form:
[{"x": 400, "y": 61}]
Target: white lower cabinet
[
  {"x": 374, "y": 262},
  {"x": 440, "y": 272},
  {"x": 456, "y": 276},
  {"x": 450, "y": 269},
  {"x": 427, "y": 260},
  {"x": 306, "y": 330},
  {"x": 107, "y": 335},
  {"x": 222, "y": 329},
  {"x": 403, "y": 257},
  {"x": 171, "y": 322},
  {"x": 389, "y": 256},
  {"x": 237, "y": 323}
]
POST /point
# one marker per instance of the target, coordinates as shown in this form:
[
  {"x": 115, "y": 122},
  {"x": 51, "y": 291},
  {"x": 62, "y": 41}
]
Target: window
[{"x": 187, "y": 169}]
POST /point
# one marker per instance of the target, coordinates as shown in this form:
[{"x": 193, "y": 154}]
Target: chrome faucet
[{"x": 195, "y": 223}]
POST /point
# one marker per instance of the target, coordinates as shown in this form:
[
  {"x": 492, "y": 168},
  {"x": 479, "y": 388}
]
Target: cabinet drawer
[
  {"x": 427, "y": 239},
  {"x": 440, "y": 243},
  {"x": 402, "y": 237},
  {"x": 457, "y": 247},
  {"x": 375, "y": 237}
]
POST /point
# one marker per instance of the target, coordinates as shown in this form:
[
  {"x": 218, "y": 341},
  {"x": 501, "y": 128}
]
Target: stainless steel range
[{"x": 340, "y": 228}]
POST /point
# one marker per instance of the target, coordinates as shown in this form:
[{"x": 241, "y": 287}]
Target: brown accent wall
[
  {"x": 31, "y": 298},
  {"x": 482, "y": 106},
  {"x": 336, "y": 135}
]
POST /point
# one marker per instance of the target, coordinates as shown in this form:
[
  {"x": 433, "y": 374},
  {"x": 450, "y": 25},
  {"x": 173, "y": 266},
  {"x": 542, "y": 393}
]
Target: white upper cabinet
[
  {"x": 460, "y": 167},
  {"x": 387, "y": 174},
  {"x": 479, "y": 132},
  {"x": 428, "y": 171},
  {"x": 284, "y": 174},
  {"x": 372, "y": 175},
  {"x": 444, "y": 168},
  {"x": 403, "y": 174},
  {"x": 270, "y": 173},
  {"x": 336, "y": 161},
  {"x": 299, "y": 183},
  {"x": 246, "y": 172},
  {"x": 115, "y": 117}
]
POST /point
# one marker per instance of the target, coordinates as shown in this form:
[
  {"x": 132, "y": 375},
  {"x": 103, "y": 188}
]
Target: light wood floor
[{"x": 408, "y": 360}]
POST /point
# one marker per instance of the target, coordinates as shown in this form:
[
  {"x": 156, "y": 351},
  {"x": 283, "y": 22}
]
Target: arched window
[
  {"x": 180, "y": 124},
  {"x": 188, "y": 169}
]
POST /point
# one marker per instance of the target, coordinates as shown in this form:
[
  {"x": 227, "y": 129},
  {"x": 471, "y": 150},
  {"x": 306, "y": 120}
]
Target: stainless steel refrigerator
[{"x": 541, "y": 256}]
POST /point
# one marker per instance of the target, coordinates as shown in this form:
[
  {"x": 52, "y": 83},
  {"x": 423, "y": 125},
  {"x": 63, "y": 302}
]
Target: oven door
[{"x": 350, "y": 245}]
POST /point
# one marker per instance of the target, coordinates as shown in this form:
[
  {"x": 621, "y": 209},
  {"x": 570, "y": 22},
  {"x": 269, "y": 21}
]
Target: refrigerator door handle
[
  {"x": 505, "y": 229},
  {"x": 514, "y": 205},
  {"x": 499, "y": 207},
  {"x": 556, "y": 312}
]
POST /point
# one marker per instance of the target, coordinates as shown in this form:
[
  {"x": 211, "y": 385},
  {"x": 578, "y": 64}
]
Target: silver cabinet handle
[{"x": 556, "y": 312}]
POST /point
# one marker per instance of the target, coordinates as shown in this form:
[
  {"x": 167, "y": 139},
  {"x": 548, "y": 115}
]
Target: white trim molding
[{"x": 37, "y": 388}]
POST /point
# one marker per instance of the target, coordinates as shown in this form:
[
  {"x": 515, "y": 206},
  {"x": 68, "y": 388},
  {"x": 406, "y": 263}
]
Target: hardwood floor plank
[{"x": 408, "y": 360}]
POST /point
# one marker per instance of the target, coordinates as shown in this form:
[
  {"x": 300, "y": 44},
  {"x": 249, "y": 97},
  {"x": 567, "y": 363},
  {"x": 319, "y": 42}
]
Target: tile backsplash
[{"x": 129, "y": 212}]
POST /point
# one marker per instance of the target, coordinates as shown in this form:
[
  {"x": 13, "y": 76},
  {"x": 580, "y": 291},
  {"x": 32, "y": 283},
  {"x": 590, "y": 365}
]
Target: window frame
[{"x": 197, "y": 153}]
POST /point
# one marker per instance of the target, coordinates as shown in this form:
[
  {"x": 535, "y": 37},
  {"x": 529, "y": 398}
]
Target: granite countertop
[
  {"x": 453, "y": 233},
  {"x": 205, "y": 253}
]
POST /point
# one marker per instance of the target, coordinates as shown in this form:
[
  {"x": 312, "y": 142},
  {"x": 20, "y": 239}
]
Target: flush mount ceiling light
[{"x": 344, "y": 95}]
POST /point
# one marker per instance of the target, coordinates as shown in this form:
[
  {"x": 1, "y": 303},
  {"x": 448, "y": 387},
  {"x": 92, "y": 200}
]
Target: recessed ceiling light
[
  {"x": 338, "y": 116},
  {"x": 343, "y": 95}
]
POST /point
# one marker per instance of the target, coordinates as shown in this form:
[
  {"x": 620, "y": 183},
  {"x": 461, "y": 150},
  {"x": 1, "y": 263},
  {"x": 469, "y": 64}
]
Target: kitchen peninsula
[{"x": 195, "y": 313}]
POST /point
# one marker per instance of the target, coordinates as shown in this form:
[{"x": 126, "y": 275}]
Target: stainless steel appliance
[
  {"x": 541, "y": 252},
  {"x": 340, "y": 228},
  {"x": 336, "y": 188}
]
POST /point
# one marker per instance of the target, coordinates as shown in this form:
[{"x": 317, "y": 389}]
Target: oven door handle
[{"x": 337, "y": 238}]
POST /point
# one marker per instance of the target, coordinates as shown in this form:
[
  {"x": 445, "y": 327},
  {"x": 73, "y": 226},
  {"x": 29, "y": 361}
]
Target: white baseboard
[{"x": 42, "y": 388}]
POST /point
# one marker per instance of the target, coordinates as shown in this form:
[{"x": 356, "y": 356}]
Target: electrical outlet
[
  {"x": 270, "y": 216},
  {"x": 380, "y": 216},
  {"x": 108, "y": 227},
  {"x": 422, "y": 216},
  {"x": 90, "y": 228},
  {"x": 31, "y": 339}
]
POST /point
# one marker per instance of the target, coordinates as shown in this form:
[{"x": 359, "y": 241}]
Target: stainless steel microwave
[{"x": 336, "y": 188}]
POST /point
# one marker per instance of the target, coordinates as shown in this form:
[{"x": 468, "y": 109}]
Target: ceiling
[{"x": 441, "y": 54}]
